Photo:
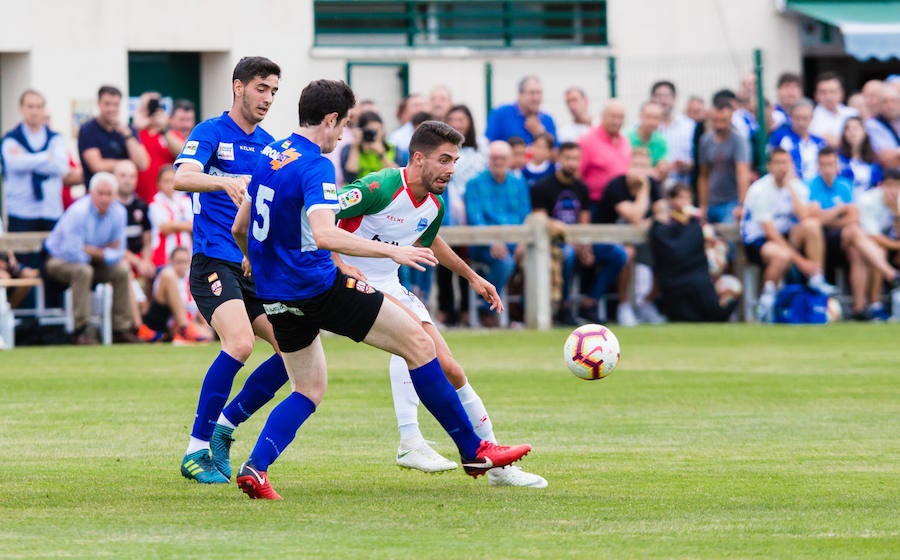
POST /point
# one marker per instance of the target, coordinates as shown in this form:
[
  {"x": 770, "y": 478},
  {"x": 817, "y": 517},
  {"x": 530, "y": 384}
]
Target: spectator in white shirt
[
  {"x": 830, "y": 113},
  {"x": 678, "y": 131},
  {"x": 577, "y": 102}
]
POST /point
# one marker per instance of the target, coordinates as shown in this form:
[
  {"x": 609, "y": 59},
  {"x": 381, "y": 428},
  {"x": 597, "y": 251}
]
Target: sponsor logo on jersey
[
  {"x": 422, "y": 225},
  {"x": 397, "y": 219},
  {"x": 225, "y": 151},
  {"x": 190, "y": 148},
  {"x": 280, "y": 159},
  {"x": 349, "y": 198},
  {"x": 247, "y": 148},
  {"x": 329, "y": 190},
  {"x": 374, "y": 186}
]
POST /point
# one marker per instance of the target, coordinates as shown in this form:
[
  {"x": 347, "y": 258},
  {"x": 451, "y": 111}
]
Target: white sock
[
  {"x": 196, "y": 445},
  {"x": 477, "y": 413},
  {"x": 769, "y": 287},
  {"x": 817, "y": 279},
  {"x": 225, "y": 421},
  {"x": 406, "y": 401}
]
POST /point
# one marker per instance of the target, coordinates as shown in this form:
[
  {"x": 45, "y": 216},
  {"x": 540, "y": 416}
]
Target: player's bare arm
[
  {"x": 328, "y": 236},
  {"x": 448, "y": 257},
  {"x": 188, "y": 177},
  {"x": 347, "y": 269},
  {"x": 239, "y": 230}
]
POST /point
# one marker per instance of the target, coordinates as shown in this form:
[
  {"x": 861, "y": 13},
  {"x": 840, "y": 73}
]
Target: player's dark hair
[
  {"x": 790, "y": 78},
  {"x": 251, "y": 67},
  {"x": 367, "y": 117},
  {"x": 514, "y": 141},
  {"x": 867, "y": 153},
  {"x": 566, "y": 146},
  {"x": 662, "y": 83},
  {"x": 28, "y": 92},
  {"x": 827, "y": 151},
  {"x": 321, "y": 97},
  {"x": 108, "y": 90},
  {"x": 679, "y": 188},
  {"x": 164, "y": 169},
  {"x": 777, "y": 150},
  {"x": 429, "y": 135},
  {"x": 723, "y": 94},
  {"x": 182, "y": 105},
  {"x": 470, "y": 140},
  {"x": 545, "y": 137},
  {"x": 828, "y": 76},
  {"x": 420, "y": 117}
]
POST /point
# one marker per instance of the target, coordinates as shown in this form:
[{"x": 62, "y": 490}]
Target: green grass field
[{"x": 707, "y": 442}]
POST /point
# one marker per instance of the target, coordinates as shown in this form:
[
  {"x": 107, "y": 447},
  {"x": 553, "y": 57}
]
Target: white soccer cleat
[
  {"x": 423, "y": 458},
  {"x": 625, "y": 315},
  {"x": 512, "y": 475}
]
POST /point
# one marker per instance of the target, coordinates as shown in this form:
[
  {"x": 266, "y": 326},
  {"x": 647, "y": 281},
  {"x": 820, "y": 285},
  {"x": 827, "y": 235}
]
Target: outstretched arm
[{"x": 448, "y": 257}]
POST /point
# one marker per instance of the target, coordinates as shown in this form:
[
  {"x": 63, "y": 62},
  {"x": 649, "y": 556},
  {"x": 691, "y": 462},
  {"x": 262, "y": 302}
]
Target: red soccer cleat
[
  {"x": 490, "y": 455},
  {"x": 255, "y": 484}
]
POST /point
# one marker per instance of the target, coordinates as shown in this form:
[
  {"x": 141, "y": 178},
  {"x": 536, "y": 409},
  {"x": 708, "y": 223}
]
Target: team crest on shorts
[
  {"x": 215, "y": 284},
  {"x": 360, "y": 286}
]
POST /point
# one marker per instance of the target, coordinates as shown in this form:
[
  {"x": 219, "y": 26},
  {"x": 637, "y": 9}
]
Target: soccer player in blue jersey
[
  {"x": 215, "y": 165},
  {"x": 287, "y": 228}
]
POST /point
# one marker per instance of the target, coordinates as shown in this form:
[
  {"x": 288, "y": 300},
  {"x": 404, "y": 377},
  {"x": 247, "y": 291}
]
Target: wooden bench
[{"x": 534, "y": 233}]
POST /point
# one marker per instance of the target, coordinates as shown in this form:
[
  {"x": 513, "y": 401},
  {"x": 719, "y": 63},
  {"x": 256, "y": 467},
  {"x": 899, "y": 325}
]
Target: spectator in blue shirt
[
  {"x": 106, "y": 139},
  {"x": 497, "y": 197},
  {"x": 845, "y": 242},
  {"x": 796, "y": 140},
  {"x": 87, "y": 246},
  {"x": 522, "y": 118}
]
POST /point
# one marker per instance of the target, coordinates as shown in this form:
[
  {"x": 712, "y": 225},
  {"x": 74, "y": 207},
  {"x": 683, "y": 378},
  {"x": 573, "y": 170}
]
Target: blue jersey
[
  {"x": 840, "y": 192},
  {"x": 292, "y": 180},
  {"x": 221, "y": 148}
]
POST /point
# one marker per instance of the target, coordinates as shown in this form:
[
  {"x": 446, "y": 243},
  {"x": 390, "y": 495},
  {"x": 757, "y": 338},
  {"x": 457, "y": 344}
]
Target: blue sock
[
  {"x": 259, "y": 389},
  {"x": 213, "y": 394},
  {"x": 280, "y": 429},
  {"x": 441, "y": 400}
]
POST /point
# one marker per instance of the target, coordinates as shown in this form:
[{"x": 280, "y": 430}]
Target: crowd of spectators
[{"x": 826, "y": 201}]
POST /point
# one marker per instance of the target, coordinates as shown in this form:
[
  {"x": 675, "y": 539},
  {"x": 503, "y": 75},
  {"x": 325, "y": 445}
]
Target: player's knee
[
  {"x": 239, "y": 347},
  {"x": 419, "y": 347},
  {"x": 454, "y": 373}
]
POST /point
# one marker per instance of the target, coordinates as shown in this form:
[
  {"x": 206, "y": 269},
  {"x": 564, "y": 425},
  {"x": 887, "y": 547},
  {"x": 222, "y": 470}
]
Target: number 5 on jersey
[{"x": 264, "y": 196}]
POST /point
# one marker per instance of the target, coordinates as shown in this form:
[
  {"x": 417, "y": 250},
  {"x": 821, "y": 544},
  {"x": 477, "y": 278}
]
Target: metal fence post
[
  {"x": 611, "y": 72},
  {"x": 761, "y": 132},
  {"x": 488, "y": 86}
]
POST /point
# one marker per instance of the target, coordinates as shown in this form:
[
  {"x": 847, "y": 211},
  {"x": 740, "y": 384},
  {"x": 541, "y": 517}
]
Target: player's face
[
  {"x": 33, "y": 110},
  {"x": 257, "y": 96},
  {"x": 126, "y": 175},
  {"x": 109, "y": 107},
  {"x": 828, "y": 167},
  {"x": 438, "y": 168},
  {"x": 800, "y": 119},
  {"x": 779, "y": 166},
  {"x": 181, "y": 261},
  {"x": 183, "y": 121},
  {"x": 334, "y": 134},
  {"x": 102, "y": 196},
  {"x": 569, "y": 161},
  {"x": 166, "y": 183}
]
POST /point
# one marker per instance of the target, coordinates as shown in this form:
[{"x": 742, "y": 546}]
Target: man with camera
[{"x": 160, "y": 136}]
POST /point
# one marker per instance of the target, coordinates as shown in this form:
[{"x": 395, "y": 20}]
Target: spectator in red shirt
[
  {"x": 162, "y": 136},
  {"x": 605, "y": 152}
]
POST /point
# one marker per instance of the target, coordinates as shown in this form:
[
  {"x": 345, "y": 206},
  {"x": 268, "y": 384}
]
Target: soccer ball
[{"x": 591, "y": 352}]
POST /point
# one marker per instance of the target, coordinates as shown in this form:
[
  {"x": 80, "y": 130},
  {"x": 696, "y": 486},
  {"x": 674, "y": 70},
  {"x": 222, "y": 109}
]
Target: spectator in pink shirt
[{"x": 605, "y": 152}]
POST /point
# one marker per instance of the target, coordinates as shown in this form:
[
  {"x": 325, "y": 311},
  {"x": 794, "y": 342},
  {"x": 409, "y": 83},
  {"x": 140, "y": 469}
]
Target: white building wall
[{"x": 68, "y": 48}]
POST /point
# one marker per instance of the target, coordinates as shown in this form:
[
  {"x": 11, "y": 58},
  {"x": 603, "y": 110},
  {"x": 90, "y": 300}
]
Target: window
[{"x": 470, "y": 23}]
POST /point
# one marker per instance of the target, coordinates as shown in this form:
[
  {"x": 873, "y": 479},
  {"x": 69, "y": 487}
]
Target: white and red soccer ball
[{"x": 591, "y": 352}]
